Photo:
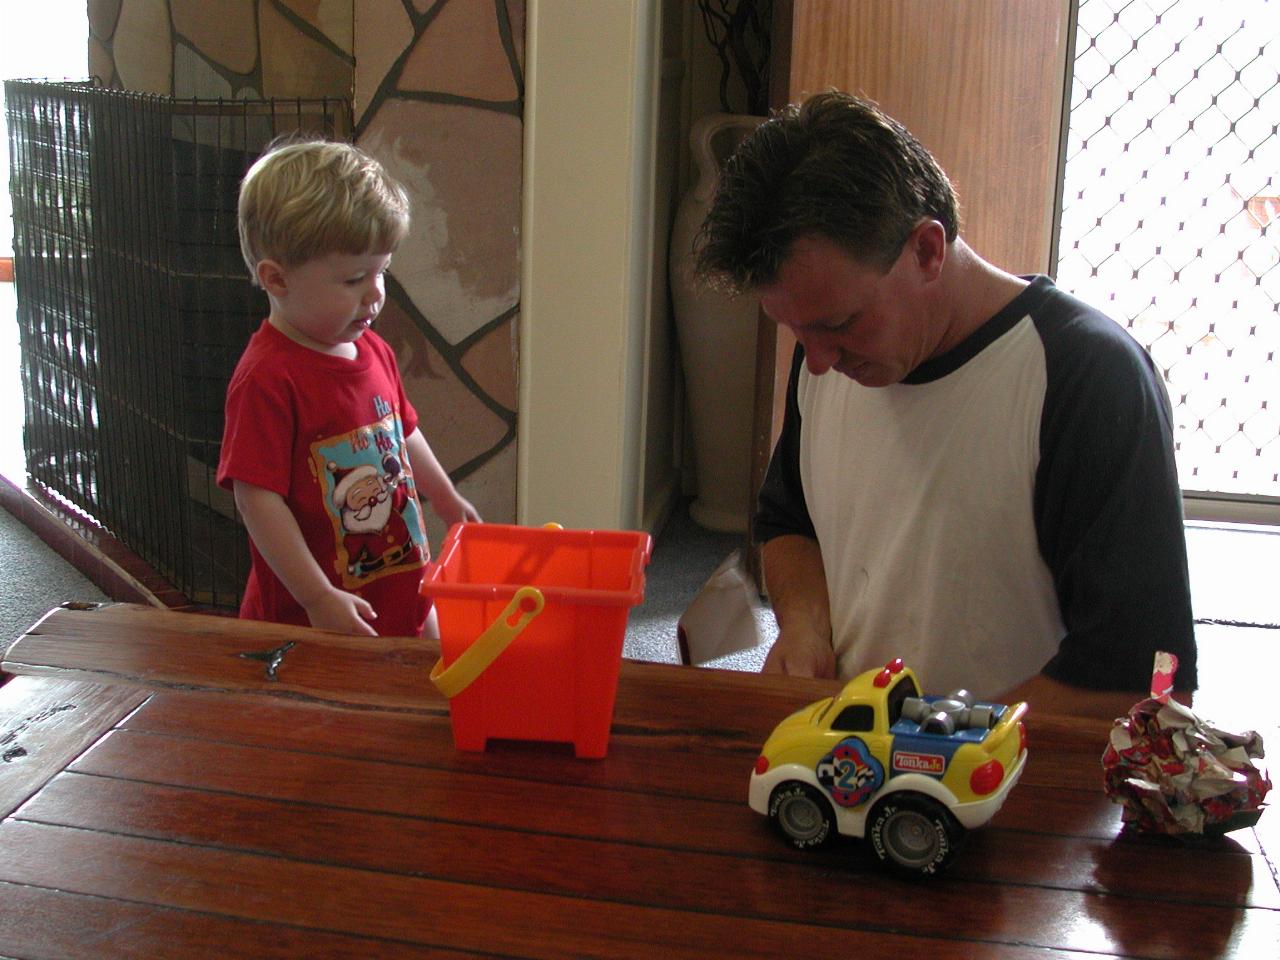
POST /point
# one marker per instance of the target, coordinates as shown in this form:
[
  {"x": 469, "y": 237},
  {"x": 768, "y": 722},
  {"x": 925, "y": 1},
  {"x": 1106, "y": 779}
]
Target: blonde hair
[{"x": 306, "y": 199}]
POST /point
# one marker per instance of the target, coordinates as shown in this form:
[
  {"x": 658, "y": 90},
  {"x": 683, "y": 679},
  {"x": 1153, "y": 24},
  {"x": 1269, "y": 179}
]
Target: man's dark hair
[{"x": 835, "y": 167}]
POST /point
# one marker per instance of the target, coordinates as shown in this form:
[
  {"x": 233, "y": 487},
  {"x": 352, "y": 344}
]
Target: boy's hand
[
  {"x": 452, "y": 508},
  {"x": 434, "y": 484},
  {"x": 342, "y": 612}
]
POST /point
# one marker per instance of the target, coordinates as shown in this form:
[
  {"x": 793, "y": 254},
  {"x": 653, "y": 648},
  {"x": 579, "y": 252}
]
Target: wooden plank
[
  {"x": 566, "y": 877},
  {"x": 657, "y": 704},
  {"x": 634, "y": 761},
  {"x": 143, "y": 645},
  {"x": 1064, "y": 802},
  {"x": 1053, "y": 810},
  {"x": 1267, "y": 837},
  {"x": 728, "y": 875},
  {"x": 1207, "y": 872},
  {"x": 634, "y": 764},
  {"x": 511, "y": 788},
  {"x": 672, "y": 790},
  {"x": 415, "y": 909},
  {"x": 220, "y": 802},
  {"x": 53, "y": 923},
  {"x": 695, "y": 703},
  {"x": 46, "y": 723},
  {"x": 136, "y": 644},
  {"x": 570, "y": 862},
  {"x": 1048, "y": 809},
  {"x": 505, "y": 797},
  {"x": 500, "y": 797}
]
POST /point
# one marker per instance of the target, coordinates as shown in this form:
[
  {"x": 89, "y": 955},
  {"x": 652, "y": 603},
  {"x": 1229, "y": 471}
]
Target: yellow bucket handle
[{"x": 526, "y": 604}]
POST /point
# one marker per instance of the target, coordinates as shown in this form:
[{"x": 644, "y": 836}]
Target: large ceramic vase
[{"x": 717, "y": 336}]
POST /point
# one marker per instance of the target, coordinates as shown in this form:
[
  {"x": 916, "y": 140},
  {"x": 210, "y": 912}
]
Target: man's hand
[
  {"x": 341, "y": 612},
  {"x": 797, "y": 586},
  {"x": 802, "y": 656}
]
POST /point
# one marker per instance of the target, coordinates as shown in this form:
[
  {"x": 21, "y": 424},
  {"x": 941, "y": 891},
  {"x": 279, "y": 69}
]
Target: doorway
[{"x": 44, "y": 40}]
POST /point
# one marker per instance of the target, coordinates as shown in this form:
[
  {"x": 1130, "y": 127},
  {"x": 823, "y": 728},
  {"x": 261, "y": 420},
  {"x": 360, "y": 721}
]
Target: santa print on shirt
[{"x": 370, "y": 497}]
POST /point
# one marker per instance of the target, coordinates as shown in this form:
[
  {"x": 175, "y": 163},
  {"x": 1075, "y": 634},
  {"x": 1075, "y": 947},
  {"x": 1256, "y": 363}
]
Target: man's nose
[{"x": 818, "y": 357}]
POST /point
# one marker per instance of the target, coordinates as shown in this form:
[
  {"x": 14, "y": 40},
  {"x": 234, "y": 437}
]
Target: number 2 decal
[{"x": 850, "y": 773}]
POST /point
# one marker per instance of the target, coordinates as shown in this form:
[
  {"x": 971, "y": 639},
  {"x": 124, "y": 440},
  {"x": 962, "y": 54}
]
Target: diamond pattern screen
[{"x": 1171, "y": 198}]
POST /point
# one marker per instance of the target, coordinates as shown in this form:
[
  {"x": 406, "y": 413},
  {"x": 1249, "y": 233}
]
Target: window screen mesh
[{"x": 1170, "y": 202}]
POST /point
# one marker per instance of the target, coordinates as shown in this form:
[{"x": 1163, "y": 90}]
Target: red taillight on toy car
[
  {"x": 986, "y": 778},
  {"x": 762, "y": 764}
]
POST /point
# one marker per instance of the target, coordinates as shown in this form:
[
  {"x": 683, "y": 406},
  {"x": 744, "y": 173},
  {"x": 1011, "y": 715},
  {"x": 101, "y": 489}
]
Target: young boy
[{"x": 322, "y": 448}]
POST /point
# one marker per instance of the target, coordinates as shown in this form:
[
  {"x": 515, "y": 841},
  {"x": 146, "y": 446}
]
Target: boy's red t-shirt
[{"x": 327, "y": 434}]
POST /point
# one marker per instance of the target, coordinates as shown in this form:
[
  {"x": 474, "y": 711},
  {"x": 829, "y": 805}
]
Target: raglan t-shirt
[
  {"x": 1012, "y": 507},
  {"x": 328, "y": 435}
]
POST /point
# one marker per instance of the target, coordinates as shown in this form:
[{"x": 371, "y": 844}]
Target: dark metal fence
[{"x": 134, "y": 305}]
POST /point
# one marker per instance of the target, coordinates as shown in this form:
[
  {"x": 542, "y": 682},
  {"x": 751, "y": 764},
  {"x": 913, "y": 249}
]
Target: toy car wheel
[
  {"x": 802, "y": 815},
  {"x": 913, "y": 834}
]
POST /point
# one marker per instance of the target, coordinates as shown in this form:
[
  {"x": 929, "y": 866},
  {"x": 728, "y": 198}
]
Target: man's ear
[
  {"x": 271, "y": 277},
  {"x": 929, "y": 246}
]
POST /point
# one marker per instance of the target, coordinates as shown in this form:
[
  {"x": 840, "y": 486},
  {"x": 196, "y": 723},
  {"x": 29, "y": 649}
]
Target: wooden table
[{"x": 164, "y": 798}]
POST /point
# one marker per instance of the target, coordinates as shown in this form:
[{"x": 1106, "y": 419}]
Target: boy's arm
[
  {"x": 434, "y": 484},
  {"x": 278, "y": 538}
]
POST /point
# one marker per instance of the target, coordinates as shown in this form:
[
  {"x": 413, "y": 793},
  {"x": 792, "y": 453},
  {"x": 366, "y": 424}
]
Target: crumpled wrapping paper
[{"x": 1175, "y": 774}]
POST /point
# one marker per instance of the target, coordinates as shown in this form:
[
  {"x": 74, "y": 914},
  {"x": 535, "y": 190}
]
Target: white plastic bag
[{"x": 721, "y": 619}]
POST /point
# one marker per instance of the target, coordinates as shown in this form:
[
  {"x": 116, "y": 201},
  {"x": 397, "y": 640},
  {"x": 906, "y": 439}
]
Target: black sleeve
[
  {"x": 781, "y": 508},
  {"x": 1109, "y": 511}
]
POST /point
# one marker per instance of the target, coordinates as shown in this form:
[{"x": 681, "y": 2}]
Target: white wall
[{"x": 591, "y": 93}]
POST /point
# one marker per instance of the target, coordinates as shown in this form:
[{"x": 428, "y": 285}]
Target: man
[{"x": 975, "y": 470}]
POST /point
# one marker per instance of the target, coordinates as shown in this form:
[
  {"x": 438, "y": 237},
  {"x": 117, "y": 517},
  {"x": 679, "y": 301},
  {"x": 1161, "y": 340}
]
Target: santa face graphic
[
  {"x": 366, "y": 507},
  {"x": 370, "y": 503}
]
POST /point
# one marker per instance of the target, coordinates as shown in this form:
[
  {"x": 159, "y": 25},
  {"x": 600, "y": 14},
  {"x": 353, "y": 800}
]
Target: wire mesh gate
[{"x": 134, "y": 305}]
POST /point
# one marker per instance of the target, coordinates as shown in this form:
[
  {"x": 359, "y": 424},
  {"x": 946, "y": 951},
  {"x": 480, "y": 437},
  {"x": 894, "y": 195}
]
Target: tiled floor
[
  {"x": 35, "y": 579},
  {"x": 684, "y": 557}
]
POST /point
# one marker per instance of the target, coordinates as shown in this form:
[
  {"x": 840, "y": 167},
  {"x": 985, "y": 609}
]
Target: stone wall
[{"x": 437, "y": 89}]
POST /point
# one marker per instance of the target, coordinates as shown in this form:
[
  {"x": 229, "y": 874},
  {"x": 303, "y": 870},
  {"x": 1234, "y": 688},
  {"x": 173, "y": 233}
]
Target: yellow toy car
[{"x": 913, "y": 773}]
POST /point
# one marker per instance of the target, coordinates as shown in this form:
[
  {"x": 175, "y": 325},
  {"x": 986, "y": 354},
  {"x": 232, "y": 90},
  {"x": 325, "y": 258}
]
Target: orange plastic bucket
[{"x": 531, "y": 628}]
